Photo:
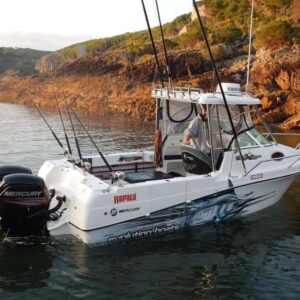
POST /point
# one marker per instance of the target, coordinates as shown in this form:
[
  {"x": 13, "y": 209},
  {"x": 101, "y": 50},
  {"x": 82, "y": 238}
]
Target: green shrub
[
  {"x": 145, "y": 57},
  {"x": 277, "y": 4},
  {"x": 227, "y": 33},
  {"x": 188, "y": 40},
  {"x": 171, "y": 44},
  {"x": 275, "y": 34},
  {"x": 217, "y": 53},
  {"x": 296, "y": 35},
  {"x": 173, "y": 28}
]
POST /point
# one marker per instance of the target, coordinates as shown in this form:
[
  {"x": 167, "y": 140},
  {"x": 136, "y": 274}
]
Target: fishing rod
[
  {"x": 92, "y": 140},
  {"x": 219, "y": 82},
  {"x": 158, "y": 141},
  {"x": 168, "y": 67},
  {"x": 164, "y": 45},
  {"x": 53, "y": 133},
  {"x": 63, "y": 124},
  {"x": 153, "y": 44},
  {"x": 73, "y": 129}
]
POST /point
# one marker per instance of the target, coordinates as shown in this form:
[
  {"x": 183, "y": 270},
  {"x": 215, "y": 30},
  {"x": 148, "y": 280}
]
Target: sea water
[{"x": 254, "y": 258}]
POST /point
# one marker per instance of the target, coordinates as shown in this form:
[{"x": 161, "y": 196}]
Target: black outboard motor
[
  {"x": 7, "y": 170},
  {"x": 24, "y": 204}
]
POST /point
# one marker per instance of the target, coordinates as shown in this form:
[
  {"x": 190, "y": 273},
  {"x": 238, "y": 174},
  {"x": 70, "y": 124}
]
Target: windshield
[
  {"x": 181, "y": 114},
  {"x": 259, "y": 137},
  {"x": 252, "y": 138}
]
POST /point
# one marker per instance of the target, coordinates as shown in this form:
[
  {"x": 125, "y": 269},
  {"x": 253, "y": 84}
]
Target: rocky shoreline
[{"x": 108, "y": 83}]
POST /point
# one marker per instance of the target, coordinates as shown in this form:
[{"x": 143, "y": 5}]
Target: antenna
[
  {"x": 63, "y": 124},
  {"x": 250, "y": 45},
  {"x": 53, "y": 133}
]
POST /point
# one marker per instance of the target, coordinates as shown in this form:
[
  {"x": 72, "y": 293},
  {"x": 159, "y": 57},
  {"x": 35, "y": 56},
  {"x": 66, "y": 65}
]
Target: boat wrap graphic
[{"x": 214, "y": 208}]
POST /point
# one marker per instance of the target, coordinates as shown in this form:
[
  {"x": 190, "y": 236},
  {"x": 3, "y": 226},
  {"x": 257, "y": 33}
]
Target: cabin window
[
  {"x": 259, "y": 137},
  {"x": 179, "y": 116},
  {"x": 252, "y": 138},
  {"x": 237, "y": 120},
  {"x": 180, "y": 112},
  {"x": 246, "y": 141}
]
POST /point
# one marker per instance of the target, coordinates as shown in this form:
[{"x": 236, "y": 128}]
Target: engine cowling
[
  {"x": 7, "y": 170},
  {"x": 24, "y": 204}
]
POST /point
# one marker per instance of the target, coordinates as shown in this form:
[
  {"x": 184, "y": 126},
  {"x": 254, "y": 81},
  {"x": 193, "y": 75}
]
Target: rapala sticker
[
  {"x": 124, "y": 198},
  {"x": 257, "y": 176}
]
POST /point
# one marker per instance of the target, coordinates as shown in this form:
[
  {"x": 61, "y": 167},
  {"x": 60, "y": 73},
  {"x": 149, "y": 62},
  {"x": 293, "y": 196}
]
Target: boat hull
[{"x": 232, "y": 203}]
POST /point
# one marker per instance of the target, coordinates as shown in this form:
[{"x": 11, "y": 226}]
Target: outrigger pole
[
  {"x": 63, "y": 124},
  {"x": 219, "y": 82},
  {"x": 92, "y": 140},
  {"x": 53, "y": 133}
]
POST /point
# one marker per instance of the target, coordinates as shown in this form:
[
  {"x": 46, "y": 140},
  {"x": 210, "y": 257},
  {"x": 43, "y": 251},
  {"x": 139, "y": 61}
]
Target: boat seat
[
  {"x": 146, "y": 176},
  {"x": 195, "y": 161}
]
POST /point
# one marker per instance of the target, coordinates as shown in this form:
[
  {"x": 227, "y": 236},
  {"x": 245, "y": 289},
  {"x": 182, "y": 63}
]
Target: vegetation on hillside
[
  {"x": 227, "y": 22},
  {"x": 137, "y": 42},
  {"x": 18, "y": 61}
]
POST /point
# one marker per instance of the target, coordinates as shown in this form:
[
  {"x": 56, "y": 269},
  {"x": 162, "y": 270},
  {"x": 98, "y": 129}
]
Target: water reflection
[{"x": 215, "y": 261}]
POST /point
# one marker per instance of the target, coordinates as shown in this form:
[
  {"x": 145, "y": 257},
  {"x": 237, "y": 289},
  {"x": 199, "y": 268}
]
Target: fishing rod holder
[
  {"x": 178, "y": 94},
  {"x": 118, "y": 177}
]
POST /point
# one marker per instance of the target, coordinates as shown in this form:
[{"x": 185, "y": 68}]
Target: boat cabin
[{"x": 177, "y": 107}]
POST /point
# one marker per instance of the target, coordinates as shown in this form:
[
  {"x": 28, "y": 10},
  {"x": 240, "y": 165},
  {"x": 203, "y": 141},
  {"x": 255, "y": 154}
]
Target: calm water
[{"x": 256, "y": 258}]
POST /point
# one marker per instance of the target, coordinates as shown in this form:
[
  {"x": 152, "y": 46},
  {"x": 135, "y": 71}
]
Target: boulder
[
  {"x": 292, "y": 122},
  {"x": 275, "y": 116},
  {"x": 268, "y": 102},
  {"x": 295, "y": 80},
  {"x": 283, "y": 80}
]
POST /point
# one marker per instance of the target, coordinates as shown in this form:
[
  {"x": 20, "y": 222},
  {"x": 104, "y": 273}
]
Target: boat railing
[
  {"x": 297, "y": 156},
  {"x": 178, "y": 94},
  {"x": 238, "y": 93},
  {"x": 284, "y": 134}
]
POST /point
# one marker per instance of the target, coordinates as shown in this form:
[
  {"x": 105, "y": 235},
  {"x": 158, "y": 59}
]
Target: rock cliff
[
  {"x": 109, "y": 83},
  {"x": 275, "y": 78}
]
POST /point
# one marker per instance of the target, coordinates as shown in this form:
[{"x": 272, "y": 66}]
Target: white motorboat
[
  {"x": 140, "y": 194},
  {"x": 156, "y": 192}
]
